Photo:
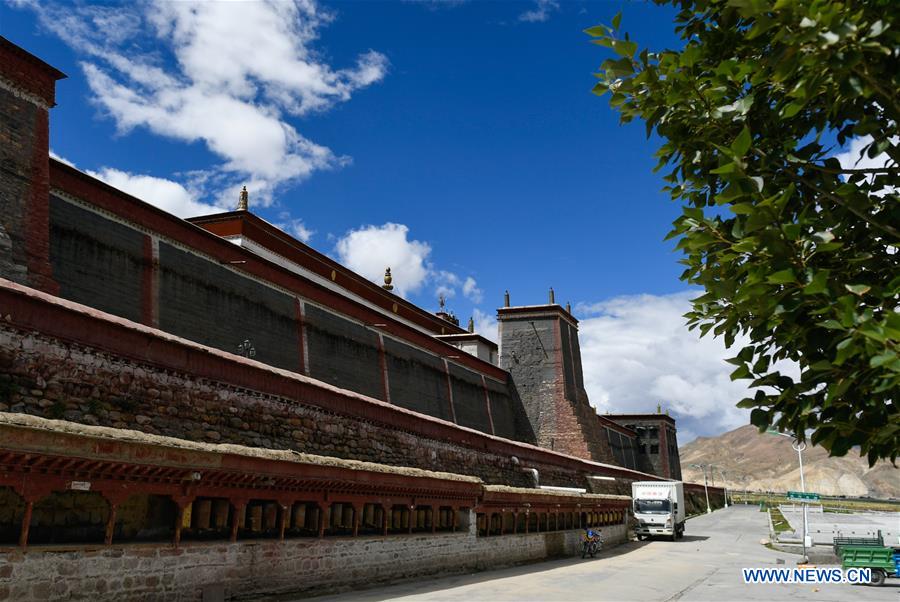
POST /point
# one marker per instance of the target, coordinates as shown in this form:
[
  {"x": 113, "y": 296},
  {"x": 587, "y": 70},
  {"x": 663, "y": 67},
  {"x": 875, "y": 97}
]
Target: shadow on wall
[{"x": 696, "y": 502}]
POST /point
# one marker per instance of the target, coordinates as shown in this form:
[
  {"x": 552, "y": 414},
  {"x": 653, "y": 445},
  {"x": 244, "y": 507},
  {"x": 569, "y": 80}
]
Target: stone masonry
[
  {"x": 150, "y": 572},
  {"x": 539, "y": 347},
  {"x": 27, "y": 87}
]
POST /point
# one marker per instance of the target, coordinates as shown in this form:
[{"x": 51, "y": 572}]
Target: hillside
[{"x": 768, "y": 463}]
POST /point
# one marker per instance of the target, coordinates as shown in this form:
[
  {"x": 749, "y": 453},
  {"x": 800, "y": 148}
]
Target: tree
[{"x": 797, "y": 251}]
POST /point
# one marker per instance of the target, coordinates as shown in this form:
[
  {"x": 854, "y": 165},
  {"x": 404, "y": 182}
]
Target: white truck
[{"x": 658, "y": 508}]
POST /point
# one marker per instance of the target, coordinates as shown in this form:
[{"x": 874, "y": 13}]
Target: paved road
[
  {"x": 825, "y": 526},
  {"x": 705, "y": 565}
]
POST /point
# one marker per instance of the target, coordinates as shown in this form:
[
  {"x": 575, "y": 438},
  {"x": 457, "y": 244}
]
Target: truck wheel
[{"x": 877, "y": 577}]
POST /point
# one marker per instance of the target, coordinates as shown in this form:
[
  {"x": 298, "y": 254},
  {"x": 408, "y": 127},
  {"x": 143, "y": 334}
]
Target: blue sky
[{"x": 456, "y": 141}]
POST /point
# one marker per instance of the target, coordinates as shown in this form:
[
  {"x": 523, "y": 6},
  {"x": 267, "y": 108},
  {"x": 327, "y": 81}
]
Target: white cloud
[
  {"x": 370, "y": 249},
  {"x": 540, "y": 12},
  {"x": 445, "y": 283},
  {"x": 295, "y": 227},
  {"x": 855, "y": 158},
  {"x": 236, "y": 70},
  {"x": 167, "y": 195},
  {"x": 637, "y": 352},
  {"x": 485, "y": 324},
  {"x": 471, "y": 291}
]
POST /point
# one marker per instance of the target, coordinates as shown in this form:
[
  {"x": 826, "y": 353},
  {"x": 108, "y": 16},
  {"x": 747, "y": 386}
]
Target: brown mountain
[{"x": 768, "y": 463}]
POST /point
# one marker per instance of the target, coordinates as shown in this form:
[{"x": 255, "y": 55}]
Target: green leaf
[
  {"x": 625, "y": 48},
  {"x": 597, "y": 31},
  {"x": 748, "y": 112},
  {"x": 759, "y": 418},
  {"x": 725, "y": 169},
  {"x": 741, "y": 372},
  {"x": 858, "y": 289},
  {"x": 792, "y": 109},
  {"x": 741, "y": 144},
  {"x": 832, "y": 325},
  {"x": 616, "y": 20},
  {"x": 818, "y": 284},
  {"x": 690, "y": 55},
  {"x": 888, "y": 358},
  {"x": 782, "y": 277}
]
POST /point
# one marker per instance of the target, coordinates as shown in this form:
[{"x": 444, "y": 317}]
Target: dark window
[
  {"x": 651, "y": 506},
  {"x": 654, "y": 449}
]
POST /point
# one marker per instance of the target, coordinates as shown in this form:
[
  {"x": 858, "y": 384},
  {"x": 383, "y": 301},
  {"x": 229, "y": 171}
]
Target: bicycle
[{"x": 591, "y": 543}]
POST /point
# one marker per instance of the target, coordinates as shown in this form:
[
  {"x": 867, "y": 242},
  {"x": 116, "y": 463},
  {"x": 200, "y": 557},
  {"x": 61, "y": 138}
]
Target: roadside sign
[{"x": 800, "y": 495}]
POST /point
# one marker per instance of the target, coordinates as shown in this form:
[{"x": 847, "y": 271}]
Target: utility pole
[
  {"x": 705, "y": 485},
  {"x": 725, "y": 486},
  {"x": 799, "y": 446}
]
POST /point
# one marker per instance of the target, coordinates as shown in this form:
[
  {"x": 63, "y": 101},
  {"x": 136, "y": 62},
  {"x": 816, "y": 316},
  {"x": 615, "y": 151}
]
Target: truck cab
[{"x": 658, "y": 508}]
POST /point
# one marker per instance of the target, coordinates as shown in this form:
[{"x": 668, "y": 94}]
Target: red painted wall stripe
[
  {"x": 303, "y": 364},
  {"x": 28, "y": 309}
]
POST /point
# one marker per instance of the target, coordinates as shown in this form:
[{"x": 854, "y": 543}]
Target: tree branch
[
  {"x": 840, "y": 201},
  {"x": 864, "y": 170},
  {"x": 836, "y": 198}
]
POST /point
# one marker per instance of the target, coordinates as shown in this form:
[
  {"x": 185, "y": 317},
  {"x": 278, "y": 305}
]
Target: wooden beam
[
  {"x": 111, "y": 524},
  {"x": 26, "y": 524}
]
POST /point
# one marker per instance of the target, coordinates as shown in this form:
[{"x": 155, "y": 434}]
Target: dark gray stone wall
[
  {"x": 507, "y": 420},
  {"x": 418, "y": 380},
  {"x": 525, "y": 353},
  {"x": 469, "y": 400},
  {"x": 17, "y": 140},
  {"x": 540, "y": 349},
  {"x": 103, "y": 264},
  {"x": 674, "y": 458},
  {"x": 343, "y": 353},
  {"x": 96, "y": 261},
  {"x": 568, "y": 361},
  {"x": 648, "y": 445},
  {"x": 576, "y": 359},
  {"x": 207, "y": 303},
  {"x": 624, "y": 449}
]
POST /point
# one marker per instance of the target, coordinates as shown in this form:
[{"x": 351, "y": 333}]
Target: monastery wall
[
  {"x": 539, "y": 346},
  {"x": 27, "y": 91},
  {"x": 114, "y": 263},
  {"x": 136, "y": 571},
  {"x": 124, "y": 375}
]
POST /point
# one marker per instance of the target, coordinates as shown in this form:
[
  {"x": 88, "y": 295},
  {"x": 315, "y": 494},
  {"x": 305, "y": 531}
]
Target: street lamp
[
  {"x": 724, "y": 486},
  {"x": 799, "y": 446},
  {"x": 705, "y": 485}
]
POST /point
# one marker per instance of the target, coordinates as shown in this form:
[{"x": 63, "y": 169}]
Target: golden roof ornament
[
  {"x": 243, "y": 200},
  {"x": 506, "y": 299},
  {"x": 471, "y": 324},
  {"x": 387, "y": 280},
  {"x": 659, "y": 408},
  {"x": 568, "y": 308}
]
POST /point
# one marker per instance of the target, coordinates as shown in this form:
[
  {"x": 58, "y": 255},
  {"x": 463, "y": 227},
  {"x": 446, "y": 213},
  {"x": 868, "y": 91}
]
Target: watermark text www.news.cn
[{"x": 807, "y": 575}]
